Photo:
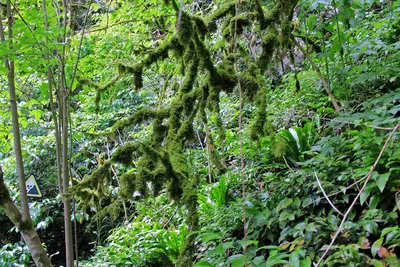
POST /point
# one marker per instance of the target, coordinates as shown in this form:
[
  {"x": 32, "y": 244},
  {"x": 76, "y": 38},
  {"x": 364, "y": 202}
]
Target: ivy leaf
[{"x": 382, "y": 180}]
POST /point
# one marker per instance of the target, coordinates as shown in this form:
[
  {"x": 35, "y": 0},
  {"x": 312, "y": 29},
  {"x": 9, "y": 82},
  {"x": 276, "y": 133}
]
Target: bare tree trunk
[
  {"x": 21, "y": 219},
  {"x": 64, "y": 114},
  {"x": 65, "y": 170}
]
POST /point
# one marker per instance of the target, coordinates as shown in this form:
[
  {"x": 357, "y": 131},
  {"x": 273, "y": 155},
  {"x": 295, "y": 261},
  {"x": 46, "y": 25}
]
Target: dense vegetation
[{"x": 205, "y": 133}]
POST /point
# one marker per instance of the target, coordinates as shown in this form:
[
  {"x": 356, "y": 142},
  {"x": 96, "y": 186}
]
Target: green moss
[
  {"x": 127, "y": 184},
  {"x": 249, "y": 85},
  {"x": 268, "y": 45},
  {"x": 201, "y": 27},
  {"x": 241, "y": 21},
  {"x": 286, "y": 30},
  {"x": 228, "y": 8},
  {"x": 124, "y": 154},
  {"x": 92, "y": 188},
  {"x": 142, "y": 115},
  {"x": 272, "y": 16},
  {"x": 114, "y": 209},
  {"x": 185, "y": 29},
  {"x": 190, "y": 200},
  {"x": 257, "y": 128}
]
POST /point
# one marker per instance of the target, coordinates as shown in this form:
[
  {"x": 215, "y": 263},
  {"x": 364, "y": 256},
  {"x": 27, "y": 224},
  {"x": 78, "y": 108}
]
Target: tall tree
[{"x": 22, "y": 218}]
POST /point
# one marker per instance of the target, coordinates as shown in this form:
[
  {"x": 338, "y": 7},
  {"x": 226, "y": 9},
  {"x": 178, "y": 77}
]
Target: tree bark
[{"x": 26, "y": 228}]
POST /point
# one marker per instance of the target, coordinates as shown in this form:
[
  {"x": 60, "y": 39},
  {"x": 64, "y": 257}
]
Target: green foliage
[
  {"x": 295, "y": 142},
  {"x": 141, "y": 244},
  {"x": 158, "y": 78},
  {"x": 16, "y": 255}
]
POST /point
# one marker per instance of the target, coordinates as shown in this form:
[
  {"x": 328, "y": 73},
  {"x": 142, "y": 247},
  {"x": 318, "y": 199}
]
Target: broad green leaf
[
  {"x": 365, "y": 194},
  {"x": 376, "y": 246},
  {"x": 237, "y": 260},
  {"x": 203, "y": 264},
  {"x": 382, "y": 180},
  {"x": 294, "y": 259},
  {"x": 377, "y": 263},
  {"x": 307, "y": 201},
  {"x": 388, "y": 230},
  {"x": 248, "y": 242},
  {"x": 209, "y": 236},
  {"x": 305, "y": 262},
  {"x": 37, "y": 113}
]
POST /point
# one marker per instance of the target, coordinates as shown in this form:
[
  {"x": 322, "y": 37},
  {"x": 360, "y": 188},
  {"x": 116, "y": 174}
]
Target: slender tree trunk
[
  {"x": 65, "y": 170},
  {"x": 53, "y": 112},
  {"x": 21, "y": 219}
]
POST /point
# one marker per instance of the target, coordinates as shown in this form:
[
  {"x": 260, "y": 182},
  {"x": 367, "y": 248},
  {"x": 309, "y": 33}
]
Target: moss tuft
[
  {"x": 124, "y": 154},
  {"x": 272, "y": 16},
  {"x": 268, "y": 45},
  {"x": 127, "y": 184},
  {"x": 250, "y": 85}
]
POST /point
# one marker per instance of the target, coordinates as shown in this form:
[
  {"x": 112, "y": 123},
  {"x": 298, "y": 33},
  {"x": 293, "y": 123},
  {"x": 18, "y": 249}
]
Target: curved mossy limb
[
  {"x": 142, "y": 115},
  {"x": 91, "y": 189},
  {"x": 249, "y": 85},
  {"x": 124, "y": 154},
  {"x": 136, "y": 70},
  {"x": 228, "y": 8}
]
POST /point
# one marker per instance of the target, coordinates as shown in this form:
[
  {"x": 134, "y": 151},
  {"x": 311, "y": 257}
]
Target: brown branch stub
[{"x": 319, "y": 73}]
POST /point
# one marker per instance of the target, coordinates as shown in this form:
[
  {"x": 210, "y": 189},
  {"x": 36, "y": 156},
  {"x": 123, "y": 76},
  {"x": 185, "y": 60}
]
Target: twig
[
  {"x": 170, "y": 218},
  {"x": 368, "y": 176},
  {"x": 116, "y": 177},
  {"x": 79, "y": 48},
  {"x": 325, "y": 195},
  {"x": 287, "y": 164}
]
